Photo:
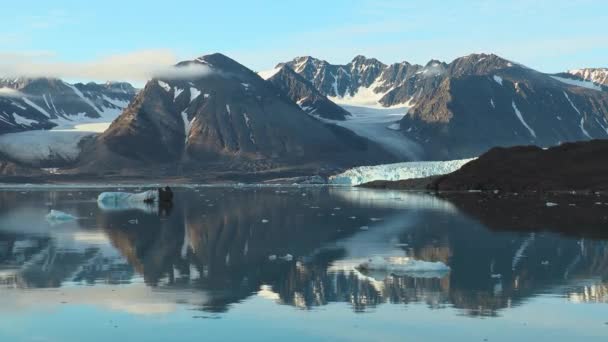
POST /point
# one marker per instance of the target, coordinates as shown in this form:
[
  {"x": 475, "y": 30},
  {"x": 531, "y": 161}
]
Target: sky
[{"x": 129, "y": 40}]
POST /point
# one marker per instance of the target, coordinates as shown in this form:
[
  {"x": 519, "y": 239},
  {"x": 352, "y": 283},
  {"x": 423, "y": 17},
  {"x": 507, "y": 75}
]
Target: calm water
[{"x": 201, "y": 270}]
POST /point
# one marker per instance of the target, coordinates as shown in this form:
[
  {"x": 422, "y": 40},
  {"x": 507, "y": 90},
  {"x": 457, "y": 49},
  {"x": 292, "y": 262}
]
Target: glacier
[
  {"x": 380, "y": 125},
  {"x": 397, "y": 171}
]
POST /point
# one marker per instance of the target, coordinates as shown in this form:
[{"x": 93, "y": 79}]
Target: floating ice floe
[
  {"x": 396, "y": 265},
  {"x": 116, "y": 201},
  {"x": 397, "y": 171},
  {"x": 56, "y": 216},
  {"x": 286, "y": 257},
  {"x": 551, "y": 204}
]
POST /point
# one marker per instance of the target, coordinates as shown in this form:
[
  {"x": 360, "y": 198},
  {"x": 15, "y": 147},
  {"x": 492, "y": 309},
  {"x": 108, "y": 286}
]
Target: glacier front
[{"x": 398, "y": 171}]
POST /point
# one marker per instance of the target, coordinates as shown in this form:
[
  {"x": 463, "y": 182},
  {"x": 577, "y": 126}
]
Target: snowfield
[
  {"x": 578, "y": 83},
  {"x": 397, "y": 171},
  {"x": 62, "y": 143}
]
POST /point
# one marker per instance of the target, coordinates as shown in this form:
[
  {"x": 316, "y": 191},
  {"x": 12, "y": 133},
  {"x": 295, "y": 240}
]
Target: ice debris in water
[
  {"x": 265, "y": 221},
  {"x": 380, "y": 266},
  {"x": 125, "y": 201},
  {"x": 59, "y": 216},
  {"x": 286, "y": 257},
  {"x": 402, "y": 264},
  {"x": 551, "y": 204}
]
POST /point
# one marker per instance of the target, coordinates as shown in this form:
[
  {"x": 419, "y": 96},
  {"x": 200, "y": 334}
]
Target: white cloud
[
  {"x": 134, "y": 66},
  {"x": 9, "y": 92}
]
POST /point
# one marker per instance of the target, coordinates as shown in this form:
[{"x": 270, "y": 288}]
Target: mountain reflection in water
[{"x": 211, "y": 251}]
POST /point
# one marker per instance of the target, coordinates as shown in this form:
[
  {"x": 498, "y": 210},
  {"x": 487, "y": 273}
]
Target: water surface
[{"x": 201, "y": 270}]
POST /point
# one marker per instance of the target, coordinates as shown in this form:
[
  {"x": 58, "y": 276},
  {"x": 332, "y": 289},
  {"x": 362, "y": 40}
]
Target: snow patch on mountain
[
  {"x": 582, "y": 122},
  {"x": 497, "y": 79},
  {"x": 20, "y": 120},
  {"x": 164, "y": 86},
  {"x": 194, "y": 93},
  {"x": 266, "y": 74},
  {"x": 521, "y": 119},
  {"x": 578, "y": 83},
  {"x": 178, "y": 91},
  {"x": 397, "y": 171},
  {"x": 36, "y": 107},
  {"x": 364, "y": 97}
]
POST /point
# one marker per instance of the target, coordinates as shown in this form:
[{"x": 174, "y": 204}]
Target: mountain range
[
  {"x": 295, "y": 117},
  {"x": 229, "y": 119},
  {"x": 461, "y": 109},
  {"x": 44, "y": 103}
]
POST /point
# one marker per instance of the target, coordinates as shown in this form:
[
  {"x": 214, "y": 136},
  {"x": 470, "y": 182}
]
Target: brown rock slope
[{"x": 570, "y": 166}]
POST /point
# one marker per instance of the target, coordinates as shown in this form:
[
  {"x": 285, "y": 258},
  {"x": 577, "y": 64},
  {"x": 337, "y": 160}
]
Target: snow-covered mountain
[
  {"x": 461, "y": 109},
  {"x": 44, "y": 103},
  {"x": 367, "y": 81},
  {"x": 595, "y": 75},
  {"x": 228, "y": 116},
  {"x": 592, "y": 78}
]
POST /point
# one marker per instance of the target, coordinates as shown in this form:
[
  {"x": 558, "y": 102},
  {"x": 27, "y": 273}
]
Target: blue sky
[{"x": 69, "y": 35}]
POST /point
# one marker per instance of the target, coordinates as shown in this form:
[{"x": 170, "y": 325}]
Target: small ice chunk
[
  {"x": 134, "y": 221},
  {"x": 59, "y": 216},
  {"x": 272, "y": 257},
  {"x": 364, "y": 228},
  {"x": 287, "y": 257},
  {"x": 404, "y": 264},
  {"x": 551, "y": 204},
  {"x": 265, "y": 221}
]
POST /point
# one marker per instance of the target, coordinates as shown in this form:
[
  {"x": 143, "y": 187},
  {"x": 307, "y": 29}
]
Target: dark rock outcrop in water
[
  {"x": 570, "y": 166},
  {"x": 226, "y": 118}
]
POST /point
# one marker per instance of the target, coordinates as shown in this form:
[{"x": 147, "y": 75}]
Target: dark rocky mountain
[
  {"x": 369, "y": 79},
  {"x": 472, "y": 104},
  {"x": 42, "y": 103},
  {"x": 484, "y": 101},
  {"x": 229, "y": 118},
  {"x": 570, "y": 166},
  {"x": 302, "y": 92}
]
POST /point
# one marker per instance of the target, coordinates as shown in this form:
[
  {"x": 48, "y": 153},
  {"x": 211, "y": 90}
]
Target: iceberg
[
  {"x": 379, "y": 266},
  {"x": 56, "y": 216},
  {"x": 397, "y": 171},
  {"x": 116, "y": 201}
]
